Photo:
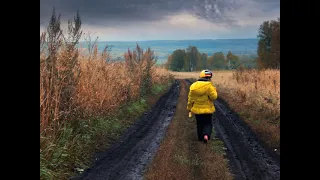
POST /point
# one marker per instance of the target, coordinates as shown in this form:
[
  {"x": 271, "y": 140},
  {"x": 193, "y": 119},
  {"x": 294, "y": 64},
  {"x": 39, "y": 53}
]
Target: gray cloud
[{"x": 128, "y": 12}]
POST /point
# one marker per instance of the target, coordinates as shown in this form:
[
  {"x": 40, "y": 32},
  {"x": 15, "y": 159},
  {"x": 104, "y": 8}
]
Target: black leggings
[{"x": 204, "y": 125}]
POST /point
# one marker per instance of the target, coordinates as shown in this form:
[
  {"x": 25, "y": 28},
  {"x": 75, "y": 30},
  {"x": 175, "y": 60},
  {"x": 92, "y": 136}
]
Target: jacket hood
[{"x": 200, "y": 87}]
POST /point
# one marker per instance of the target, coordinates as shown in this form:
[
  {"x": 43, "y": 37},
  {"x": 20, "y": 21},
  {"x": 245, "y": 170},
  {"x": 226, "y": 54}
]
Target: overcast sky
[{"x": 133, "y": 20}]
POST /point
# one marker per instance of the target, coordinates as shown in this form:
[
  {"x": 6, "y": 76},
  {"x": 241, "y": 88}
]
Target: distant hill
[{"x": 163, "y": 48}]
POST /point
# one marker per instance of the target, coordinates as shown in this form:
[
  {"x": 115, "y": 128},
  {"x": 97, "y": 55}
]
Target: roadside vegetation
[{"x": 87, "y": 99}]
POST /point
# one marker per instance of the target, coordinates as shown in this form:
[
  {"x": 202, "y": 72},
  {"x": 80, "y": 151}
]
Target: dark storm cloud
[{"x": 120, "y": 12}]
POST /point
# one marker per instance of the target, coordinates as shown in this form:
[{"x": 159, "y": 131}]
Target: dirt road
[{"x": 128, "y": 158}]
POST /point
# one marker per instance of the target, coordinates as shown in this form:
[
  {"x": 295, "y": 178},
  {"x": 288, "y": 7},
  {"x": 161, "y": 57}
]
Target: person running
[{"x": 200, "y": 102}]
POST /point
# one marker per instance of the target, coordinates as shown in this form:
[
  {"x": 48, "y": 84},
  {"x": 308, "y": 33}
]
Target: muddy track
[
  {"x": 128, "y": 158},
  {"x": 247, "y": 155}
]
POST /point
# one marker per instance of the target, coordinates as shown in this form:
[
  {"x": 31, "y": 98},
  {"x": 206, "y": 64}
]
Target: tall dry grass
[
  {"x": 73, "y": 85},
  {"x": 77, "y": 86},
  {"x": 255, "y": 95},
  {"x": 104, "y": 86}
]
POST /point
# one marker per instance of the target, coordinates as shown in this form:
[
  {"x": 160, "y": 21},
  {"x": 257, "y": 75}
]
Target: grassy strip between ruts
[
  {"x": 182, "y": 156},
  {"x": 73, "y": 150}
]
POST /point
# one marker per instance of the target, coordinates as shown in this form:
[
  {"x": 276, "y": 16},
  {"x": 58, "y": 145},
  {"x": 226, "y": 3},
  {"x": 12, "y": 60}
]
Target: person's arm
[
  {"x": 213, "y": 95},
  {"x": 190, "y": 101}
]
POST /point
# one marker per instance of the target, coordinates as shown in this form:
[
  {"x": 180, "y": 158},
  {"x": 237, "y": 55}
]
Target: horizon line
[{"x": 173, "y": 40}]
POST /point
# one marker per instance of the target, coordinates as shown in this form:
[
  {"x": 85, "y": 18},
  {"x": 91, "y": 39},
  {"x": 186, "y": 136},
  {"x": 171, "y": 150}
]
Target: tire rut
[
  {"x": 128, "y": 158},
  {"x": 247, "y": 155}
]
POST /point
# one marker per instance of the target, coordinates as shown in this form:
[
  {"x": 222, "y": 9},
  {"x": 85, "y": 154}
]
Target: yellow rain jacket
[{"x": 201, "y": 96}]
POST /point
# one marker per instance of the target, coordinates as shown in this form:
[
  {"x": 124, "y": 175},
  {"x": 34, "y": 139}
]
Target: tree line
[
  {"x": 268, "y": 54},
  {"x": 269, "y": 45},
  {"x": 191, "y": 59}
]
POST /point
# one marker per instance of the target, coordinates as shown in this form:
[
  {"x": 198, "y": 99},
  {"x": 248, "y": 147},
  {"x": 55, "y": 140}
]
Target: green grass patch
[
  {"x": 137, "y": 107},
  {"x": 156, "y": 89},
  {"x": 217, "y": 145},
  {"x": 184, "y": 160},
  {"x": 159, "y": 88},
  {"x": 72, "y": 150}
]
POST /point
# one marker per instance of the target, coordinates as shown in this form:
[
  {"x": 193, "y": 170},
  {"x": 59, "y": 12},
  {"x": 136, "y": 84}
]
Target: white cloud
[{"x": 181, "y": 26}]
